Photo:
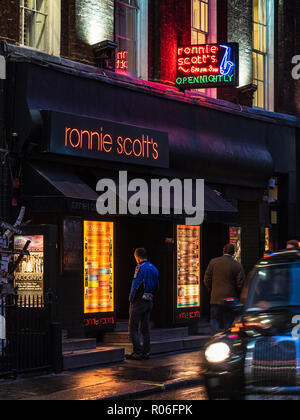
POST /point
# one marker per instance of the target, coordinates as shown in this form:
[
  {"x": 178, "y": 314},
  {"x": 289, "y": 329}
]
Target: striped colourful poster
[
  {"x": 188, "y": 266},
  {"x": 98, "y": 267}
]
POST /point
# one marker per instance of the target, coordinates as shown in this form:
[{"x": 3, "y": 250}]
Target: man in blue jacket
[{"x": 144, "y": 285}]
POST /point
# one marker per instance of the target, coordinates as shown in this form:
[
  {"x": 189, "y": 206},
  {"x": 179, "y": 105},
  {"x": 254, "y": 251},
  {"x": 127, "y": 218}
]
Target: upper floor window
[
  {"x": 40, "y": 25},
  {"x": 200, "y": 21},
  {"x": 131, "y": 28},
  {"x": 126, "y": 35},
  {"x": 204, "y": 28},
  {"x": 263, "y": 52}
]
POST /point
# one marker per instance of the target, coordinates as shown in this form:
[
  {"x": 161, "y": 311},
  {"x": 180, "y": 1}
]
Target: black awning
[
  {"x": 217, "y": 209},
  {"x": 51, "y": 187},
  {"x": 54, "y": 188}
]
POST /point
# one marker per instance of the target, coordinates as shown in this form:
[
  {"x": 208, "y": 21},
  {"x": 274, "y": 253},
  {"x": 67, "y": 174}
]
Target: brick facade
[
  {"x": 85, "y": 22},
  {"x": 9, "y": 20}
]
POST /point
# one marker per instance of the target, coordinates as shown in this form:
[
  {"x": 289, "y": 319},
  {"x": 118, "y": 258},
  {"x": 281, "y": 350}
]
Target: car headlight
[{"x": 217, "y": 353}]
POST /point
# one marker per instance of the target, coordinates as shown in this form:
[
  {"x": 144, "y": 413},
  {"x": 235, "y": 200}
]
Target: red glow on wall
[{"x": 175, "y": 28}]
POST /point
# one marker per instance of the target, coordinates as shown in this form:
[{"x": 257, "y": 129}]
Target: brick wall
[
  {"x": 170, "y": 25},
  {"x": 84, "y": 23},
  {"x": 240, "y": 30},
  {"x": 9, "y": 20}
]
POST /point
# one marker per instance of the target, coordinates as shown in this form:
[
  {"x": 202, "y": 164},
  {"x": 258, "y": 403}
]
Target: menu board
[
  {"x": 188, "y": 267},
  {"x": 29, "y": 275},
  {"x": 98, "y": 267},
  {"x": 235, "y": 234}
]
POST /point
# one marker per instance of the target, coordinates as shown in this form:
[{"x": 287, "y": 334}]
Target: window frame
[
  {"x": 200, "y": 30},
  {"x": 141, "y": 35},
  {"x": 263, "y": 32},
  {"x": 52, "y": 26}
]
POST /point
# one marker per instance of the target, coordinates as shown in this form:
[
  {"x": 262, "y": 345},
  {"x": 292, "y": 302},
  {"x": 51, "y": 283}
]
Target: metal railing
[{"x": 32, "y": 340}]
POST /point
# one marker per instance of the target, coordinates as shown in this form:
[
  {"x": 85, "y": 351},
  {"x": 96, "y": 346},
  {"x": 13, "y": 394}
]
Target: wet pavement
[
  {"x": 197, "y": 393},
  {"x": 127, "y": 380}
]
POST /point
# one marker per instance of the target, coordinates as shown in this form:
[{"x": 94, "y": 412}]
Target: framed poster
[{"x": 29, "y": 275}]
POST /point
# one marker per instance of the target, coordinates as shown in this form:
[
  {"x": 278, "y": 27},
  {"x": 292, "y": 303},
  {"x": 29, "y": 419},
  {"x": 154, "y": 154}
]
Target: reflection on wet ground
[
  {"x": 186, "y": 394},
  {"x": 104, "y": 382}
]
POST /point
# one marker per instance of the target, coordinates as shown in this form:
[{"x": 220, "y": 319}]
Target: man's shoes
[
  {"x": 134, "y": 356},
  {"x": 146, "y": 356}
]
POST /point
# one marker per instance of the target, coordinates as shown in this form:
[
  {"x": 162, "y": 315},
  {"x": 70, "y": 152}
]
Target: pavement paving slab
[{"x": 122, "y": 381}]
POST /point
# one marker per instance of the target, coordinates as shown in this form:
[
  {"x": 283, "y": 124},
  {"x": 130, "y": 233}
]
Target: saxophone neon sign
[{"x": 210, "y": 65}]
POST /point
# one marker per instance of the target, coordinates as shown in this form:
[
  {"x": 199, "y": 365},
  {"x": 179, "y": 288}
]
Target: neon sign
[
  {"x": 207, "y": 66},
  {"x": 122, "y": 60},
  {"x": 84, "y": 137}
]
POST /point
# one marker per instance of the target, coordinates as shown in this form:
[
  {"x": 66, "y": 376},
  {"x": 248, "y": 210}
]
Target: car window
[{"x": 274, "y": 286}]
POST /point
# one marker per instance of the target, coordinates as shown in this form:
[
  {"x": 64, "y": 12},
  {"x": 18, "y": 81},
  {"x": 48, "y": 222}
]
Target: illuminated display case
[
  {"x": 29, "y": 275},
  {"x": 37, "y": 273},
  {"x": 235, "y": 234},
  {"x": 188, "y": 273},
  {"x": 98, "y": 267}
]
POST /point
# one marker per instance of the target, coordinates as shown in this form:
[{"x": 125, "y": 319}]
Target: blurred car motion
[{"x": 261, "y": 352}]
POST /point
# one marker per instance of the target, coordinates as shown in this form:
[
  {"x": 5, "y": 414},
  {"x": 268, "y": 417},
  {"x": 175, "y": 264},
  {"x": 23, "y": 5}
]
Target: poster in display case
[
  {"x": 235, "y": 233},
  {"x": 29, "y": 275},
  {"x": 98, "y": 267},
  {"x": 188, "y": 267}
]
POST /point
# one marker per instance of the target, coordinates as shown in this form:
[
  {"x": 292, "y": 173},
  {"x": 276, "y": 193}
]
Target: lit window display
[
  {"x": 29, "y": 275},
  {"x": 188, "y": 267},
  {"x": 98, "y": 267},
  {"x": 235, "y": 234}
]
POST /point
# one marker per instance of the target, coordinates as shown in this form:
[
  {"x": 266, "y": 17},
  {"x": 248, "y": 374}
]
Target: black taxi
[{"x": 260, "y": 354}]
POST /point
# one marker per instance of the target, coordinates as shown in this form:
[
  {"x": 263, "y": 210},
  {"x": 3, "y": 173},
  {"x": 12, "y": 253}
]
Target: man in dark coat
[{"x": 225, "y": 279}]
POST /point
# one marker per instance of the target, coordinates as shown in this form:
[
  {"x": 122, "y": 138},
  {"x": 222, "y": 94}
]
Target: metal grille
[{"x": 274, "y": 363}]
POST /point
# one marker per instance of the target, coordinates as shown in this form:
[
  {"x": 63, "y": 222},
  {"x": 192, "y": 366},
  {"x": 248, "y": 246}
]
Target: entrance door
[{"x": 132, "y": 234}]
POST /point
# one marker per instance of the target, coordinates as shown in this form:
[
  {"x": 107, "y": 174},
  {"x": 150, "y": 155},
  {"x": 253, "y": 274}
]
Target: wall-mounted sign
[
  {"x": 207, "y": 66},
  {"x": 84, "y": 137}
]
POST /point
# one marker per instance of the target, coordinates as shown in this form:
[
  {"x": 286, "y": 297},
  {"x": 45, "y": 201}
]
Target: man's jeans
[
  {"x": 139, "y": 321},
  {"x": 221, "y": 318}
]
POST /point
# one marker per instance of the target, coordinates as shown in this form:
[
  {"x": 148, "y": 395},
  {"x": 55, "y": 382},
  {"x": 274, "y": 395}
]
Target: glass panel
[
  {"x": 255, "y": 73},
  {"x": 275, "y": 287},
  {"x": 33, "y": 24},
  {"x": 260, "y": 67},
  {"x": 126, "y": 22},
  {"x": 188, "y": 266},
  {"x": 126, "y": 19},
  {"x": 126, "y": 58},
  {"x": 98, "y": 267},
  {"x": 196, "y": 14}
]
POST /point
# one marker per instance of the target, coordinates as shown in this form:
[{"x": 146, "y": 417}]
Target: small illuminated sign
[
  {"x": 122, "y": 60},
  {"x": 207, "y": 66}
]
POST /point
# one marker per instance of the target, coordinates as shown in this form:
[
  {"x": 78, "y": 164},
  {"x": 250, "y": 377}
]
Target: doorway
[{"x": 132, "y": 234}]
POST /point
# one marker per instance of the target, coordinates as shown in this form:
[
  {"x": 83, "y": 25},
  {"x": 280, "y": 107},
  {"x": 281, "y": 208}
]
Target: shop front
[{"x": 77, "y": 128}]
